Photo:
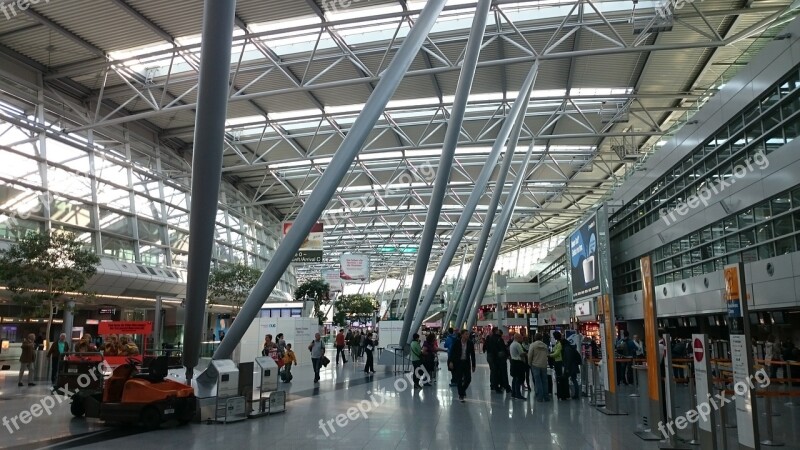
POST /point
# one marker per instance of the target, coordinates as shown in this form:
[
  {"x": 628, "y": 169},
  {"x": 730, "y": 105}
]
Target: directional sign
[{"x": 699, "y": 351}]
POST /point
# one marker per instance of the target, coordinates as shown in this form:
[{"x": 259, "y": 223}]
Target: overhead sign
[
  {"x": 584, "y": 260},
  {"x": 583, "y": 309},
  {"x": 334, "y": 280},
  {"x": 311, "y": 248},
  {"x": 106, "y": 310},
  {"x": 106, "y": 328},
  {"x": 354, "y": 268}
]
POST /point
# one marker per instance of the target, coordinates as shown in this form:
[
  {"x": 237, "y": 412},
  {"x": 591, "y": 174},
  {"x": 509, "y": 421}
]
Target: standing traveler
[
  {"x": 462, "y": 363},
  {"x": 491, "y": 347},
  {"x": 451, "y": 338},
  {"x": 572, "y": 365},
  {"x": 56, "y": 353},
  {"x": 363, "y": 346},
  {"x": 340, "y": 341},
  {"x": 639, "y": 350},
  {"x": 27, "y": 358},
  {"x": 355, "y": 345},
  {"x": 537, "y": 358},
  {"x": 281, "y": 345},
  {"x": 369, "y": 347},
  {"x": 416, "y": 358},
  {"x": 289, "y": 358},
  {"x": 501, "y": 363},
  {"x": 517, "y": 367},
  {"x": 269, "y": 346},
  {"x": 317, "y": 349},
  {"x": 429, "y": 355}
]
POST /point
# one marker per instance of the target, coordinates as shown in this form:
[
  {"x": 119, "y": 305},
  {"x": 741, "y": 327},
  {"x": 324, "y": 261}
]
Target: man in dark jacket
[
  {"x": 462, "y": 362},
  {"x": 572, "y": 364}
]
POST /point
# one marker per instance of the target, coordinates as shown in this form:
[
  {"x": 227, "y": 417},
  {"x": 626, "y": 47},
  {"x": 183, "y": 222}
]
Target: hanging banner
[
  {"x": 741, "y": 356},
  {"x": 311, "y": 248},
  {"x": 354, "y": 268},
  {"x": 584, "y": 260},
  {"x": 334, "y": 280}
]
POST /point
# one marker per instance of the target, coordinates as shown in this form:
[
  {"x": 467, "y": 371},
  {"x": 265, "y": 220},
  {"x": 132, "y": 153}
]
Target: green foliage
[
  {"x": 316, "y": 290},
  {"x": 42, "y": 267},
  {"x": 230, "y": 284},
  {"x": 354, "y": 307}
]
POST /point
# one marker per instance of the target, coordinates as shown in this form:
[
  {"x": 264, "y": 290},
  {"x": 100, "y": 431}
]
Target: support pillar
[
  {"x": 443, "y": 174},
  {"x": 475, "y": 269},
  {"x": 158, "y": 324},
  {"x": 499, "y": 234},
  {"x": 69, "y": 320},
  {"x": 338, "y": 167},
  {"x": 209, "y": 137},
  {"x": 479, "y": 188}
]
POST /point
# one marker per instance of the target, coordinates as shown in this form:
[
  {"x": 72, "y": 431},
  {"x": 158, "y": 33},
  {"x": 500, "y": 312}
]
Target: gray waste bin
[{"x": 41, "y": 367}]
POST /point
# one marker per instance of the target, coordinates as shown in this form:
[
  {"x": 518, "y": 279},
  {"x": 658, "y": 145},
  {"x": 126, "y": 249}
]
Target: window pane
[{"x": 120, "y": 249}]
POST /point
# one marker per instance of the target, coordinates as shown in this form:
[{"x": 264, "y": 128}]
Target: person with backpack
[
  {"x": 448, "y": 345},
  {"x": 572, "y": 366}
]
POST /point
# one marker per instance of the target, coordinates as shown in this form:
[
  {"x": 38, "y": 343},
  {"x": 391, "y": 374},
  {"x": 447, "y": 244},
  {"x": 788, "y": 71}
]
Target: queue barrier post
[
  {"x": 693, "y": 398},
  {"x": 770, "y": 439},
  {"x": 635, "y": 380},
  {"x": 723, "y": 417}
]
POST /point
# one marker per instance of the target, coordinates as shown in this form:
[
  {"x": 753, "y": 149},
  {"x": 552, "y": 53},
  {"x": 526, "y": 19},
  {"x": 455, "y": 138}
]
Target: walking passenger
[
  {"x": 317, "y": 349},
  {"x": 462, "y": 363},
  {"x": 340, "y": 341},
  {"x": 56, "y": 354}
]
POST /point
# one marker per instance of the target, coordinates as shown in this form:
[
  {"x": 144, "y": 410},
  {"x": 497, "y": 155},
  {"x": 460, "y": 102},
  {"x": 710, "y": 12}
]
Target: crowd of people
[{"x": 357, "y": 343}]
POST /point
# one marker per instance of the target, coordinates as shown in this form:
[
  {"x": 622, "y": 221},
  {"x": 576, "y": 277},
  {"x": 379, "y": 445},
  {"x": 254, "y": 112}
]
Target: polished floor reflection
[{"x": 395, "y": 416}]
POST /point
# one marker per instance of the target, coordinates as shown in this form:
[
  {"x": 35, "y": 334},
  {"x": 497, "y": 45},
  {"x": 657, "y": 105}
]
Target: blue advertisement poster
[{"x": 585, "y": 260}]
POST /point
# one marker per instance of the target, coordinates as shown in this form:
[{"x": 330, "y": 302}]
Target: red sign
[
  {"x": 699, "y": 351},
  {"x": 106, "y": 328}
]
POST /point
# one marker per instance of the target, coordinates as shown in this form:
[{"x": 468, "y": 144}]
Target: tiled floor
[{"x": 402, "y": 419}]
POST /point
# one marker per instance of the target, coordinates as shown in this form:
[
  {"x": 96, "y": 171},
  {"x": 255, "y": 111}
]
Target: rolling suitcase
[{"x": 562, "y": 387}]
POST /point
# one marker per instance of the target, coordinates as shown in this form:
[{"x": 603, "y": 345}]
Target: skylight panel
[
  {"x": 381, "y": 155},
  {"x": 235, "y": 121},
  {"x": 290, "y": 164},
  {"x": 339, "y": 12},
  {"x": 342, "y": 109},
  {"x": 295, "y": 114}
]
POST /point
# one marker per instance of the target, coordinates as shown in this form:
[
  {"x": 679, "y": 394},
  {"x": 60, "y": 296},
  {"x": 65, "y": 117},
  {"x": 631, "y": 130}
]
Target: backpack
[{"x": 571, "y": 357}]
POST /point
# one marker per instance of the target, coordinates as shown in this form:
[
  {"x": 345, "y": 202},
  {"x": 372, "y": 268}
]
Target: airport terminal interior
[{"x": 466, "y": 224}]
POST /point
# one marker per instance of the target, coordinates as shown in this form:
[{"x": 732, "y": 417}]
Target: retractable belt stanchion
[
  {"x": 770, "y": 439},
  {"x": 693, "y": 400},
  {"x": 635, "y": 379}
]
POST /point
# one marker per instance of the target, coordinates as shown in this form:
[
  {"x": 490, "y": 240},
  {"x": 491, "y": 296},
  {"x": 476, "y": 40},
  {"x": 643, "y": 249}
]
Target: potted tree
[{"x": 41, "y": 269}]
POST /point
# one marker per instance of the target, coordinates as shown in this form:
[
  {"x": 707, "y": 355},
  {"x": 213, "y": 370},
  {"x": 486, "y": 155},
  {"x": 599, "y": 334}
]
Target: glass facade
[
  {"x": 765, "y": 125},
  {"x": 761, "y": 231},
  {"x": 126, "y": 198},
  {"x": 768, "y": 229}
]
